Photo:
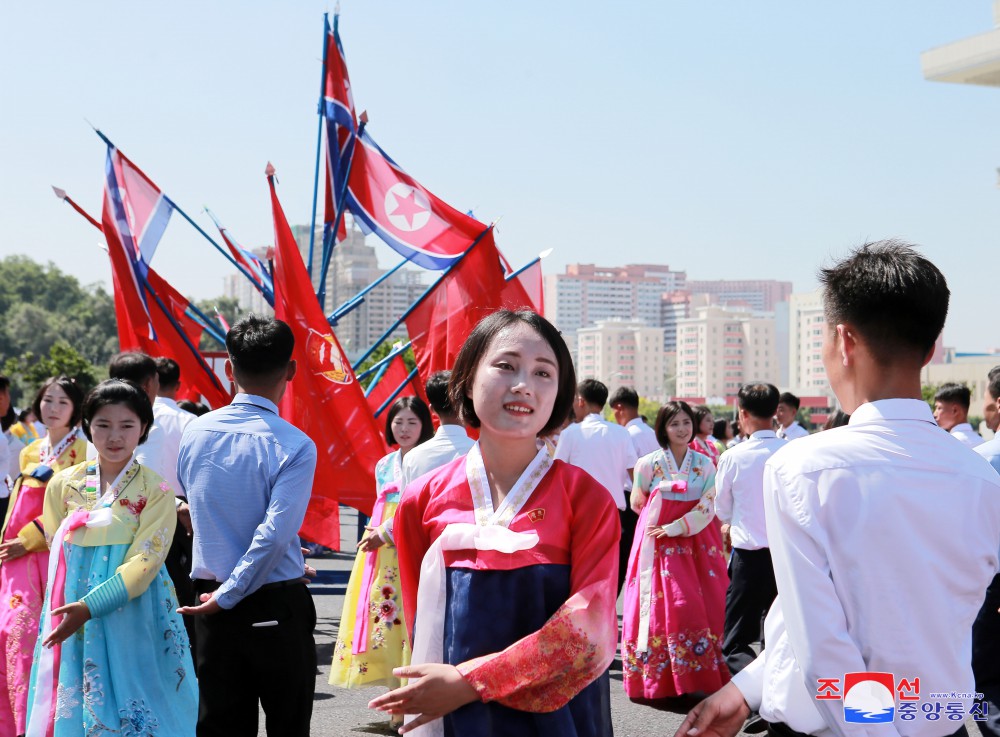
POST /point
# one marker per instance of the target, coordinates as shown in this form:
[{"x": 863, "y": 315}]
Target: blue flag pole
[
  {"x": 349, "y": 305},
  {"x": 421, "y": 298},
  {"x": 328, "y": 241},
  {"x": 392, "y": 397},
  {"x": 319, "y": 136},
  {"x": 208, "y": 324},
  {"x": 377, "y": 379},
  {"x": 180, "y": 331},
  {"x": 376, "y": 366},
  {"x": 197, "y": 227}
]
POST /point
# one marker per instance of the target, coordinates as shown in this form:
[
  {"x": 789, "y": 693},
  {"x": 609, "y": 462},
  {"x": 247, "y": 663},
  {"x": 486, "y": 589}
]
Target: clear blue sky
[{"x": 733, "y": 140}]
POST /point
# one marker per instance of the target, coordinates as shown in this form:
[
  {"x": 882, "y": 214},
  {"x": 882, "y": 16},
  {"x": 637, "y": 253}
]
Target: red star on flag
[{"x": 407, "y": 207}]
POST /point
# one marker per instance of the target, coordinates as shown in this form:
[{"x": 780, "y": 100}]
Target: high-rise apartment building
[
  {"x": 237, "y": 286},
  {"x": 586, "y": 294},
  {"x": 623, "y": 353},
  {"x": 720, "y": 349},
  {"x": 762, "y": 295},
  {"x": 806, "y": 325}
]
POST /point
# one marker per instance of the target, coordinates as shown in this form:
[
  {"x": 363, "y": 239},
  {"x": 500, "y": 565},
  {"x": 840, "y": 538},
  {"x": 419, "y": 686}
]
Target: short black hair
[
  {"x": 626, "y": 396},
  {"x": 11, "y": 417},
  {"x": 193, "y": 407},
  {"x": 259, "y": 347},
  {"x": 464, "y": 372},
  {"x": 954, "y": 393},
  {"x": 419, "y": 408},
  {"x": 665, "y": 415},
  {"x": 69, "y": 386},
  {"x": 790, "y": 399},
  {"x": 118, "y": 391},
  {"x": 719, "y": 429},
  {"x": 761, "y": 399},
  {"x": 895, "y": 298},
  {"x": 132, "y": 366},
  {"x": 701, "y": 411},
  {"x": 837, "y": 419},
  {"x": 993, "y": 387},
  {"x": 592, "y": 392},
  {"x": 169, "y": 372},
  {"x": 437, "y": 393}
]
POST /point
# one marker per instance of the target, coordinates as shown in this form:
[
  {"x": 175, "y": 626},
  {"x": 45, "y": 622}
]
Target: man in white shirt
[
  {"x": 449, "y": 442},
  {"x": 788, "y": 426},
  {"x": 739, "y": 504},
  {"x": 986, "y": 628},
  {"x": 951, "y": 410},
  {"x": 625, "y": 405},
  {"x": 883, "y": 534},
  {"x": 603, "y": 450}
]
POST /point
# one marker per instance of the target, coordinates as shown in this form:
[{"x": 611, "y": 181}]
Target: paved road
[{"x": 342, "y": 712}]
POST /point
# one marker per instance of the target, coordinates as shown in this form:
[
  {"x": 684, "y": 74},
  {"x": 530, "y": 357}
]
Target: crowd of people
[{"x": 152, "y": 581}]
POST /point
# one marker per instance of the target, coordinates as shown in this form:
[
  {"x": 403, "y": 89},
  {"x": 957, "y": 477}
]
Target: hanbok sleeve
[
  {"x": 698, "y": 518},
  {"x": 543, "y": 671},
  {"x": 54, "y": 504},
  {"x": 412, "y": 541},
  {"x": 145, "y": 556}
]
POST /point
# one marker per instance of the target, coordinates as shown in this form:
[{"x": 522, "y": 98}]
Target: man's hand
[
  {"x": 184, "y": 517},
  {"x": 720, "y": 715},
  {"x": 208, "y": 606},
  {"x": 727, "y": 543},
  {"x": 371, "y": 542},
  {"x": 13, "y": 550},
  {"x": 435, "y": 689},
  {"x": 74, "y": 616}
]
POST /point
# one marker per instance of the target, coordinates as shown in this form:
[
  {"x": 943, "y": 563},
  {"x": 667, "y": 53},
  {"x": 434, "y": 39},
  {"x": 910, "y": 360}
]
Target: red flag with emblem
[
  {"x": 324, "y": 400},
  {"x": 395, "y": 374}
]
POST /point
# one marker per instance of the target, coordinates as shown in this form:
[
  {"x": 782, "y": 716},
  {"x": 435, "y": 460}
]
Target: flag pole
[
  {"x": 349, "y": 305},
  {"x": 180, "y": 331},
  {"x": 420, "y": 299},
  {"x": 61, "y": 194},
  {"x": 378, "y": 377},
  {"x": 208, "y": 324},
  {"x": 375, "y": 366},
  {"x": 392, "y": 397},
  {"x": 319, "y": 135},
  {"x": 197, "y": 227},
  {"x": 328, "y": 241},
  {"x": 265, "y": 292},
  {"x": 535, "y": 260}
]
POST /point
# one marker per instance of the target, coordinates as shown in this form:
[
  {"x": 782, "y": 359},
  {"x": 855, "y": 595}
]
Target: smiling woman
[{"x": 508, "y": 558}]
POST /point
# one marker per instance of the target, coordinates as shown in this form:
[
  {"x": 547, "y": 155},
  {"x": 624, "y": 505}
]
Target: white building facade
[{"x": 623, "y": 353}]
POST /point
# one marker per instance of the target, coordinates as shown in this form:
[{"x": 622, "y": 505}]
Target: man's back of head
[
  {"x": 260, "y": 354},
  {"x": 437, "y": 396},
  {"x": 759, "y": 402},
  {"x": 169, "y": 374},
  {"x": 625, "y": 404},
  {"x": 137, "y": 368},
  {"x": 591, "y": 395}
]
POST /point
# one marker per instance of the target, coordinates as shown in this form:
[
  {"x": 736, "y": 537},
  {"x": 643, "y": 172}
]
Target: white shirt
[
  {"x": 448, "y": 443},
  {"x": 643, "y": 438},
  {"x": 792, "y": 432},
  {"x": 739, "y": 485},
  {"x": 883, "y": 536},
  {"x": 603, "y": 450},
  {"x": 967, "y": 435},
  {"x": 160, "y": 450}
]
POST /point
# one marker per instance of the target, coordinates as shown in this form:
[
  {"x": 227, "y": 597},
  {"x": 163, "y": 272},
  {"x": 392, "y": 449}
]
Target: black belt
[{"x": 205, "y": 586}]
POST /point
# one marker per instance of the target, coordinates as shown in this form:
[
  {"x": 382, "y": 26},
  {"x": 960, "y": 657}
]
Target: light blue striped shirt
[
  {"x": 990, "y": 450},
  {"x": 248, "y": 476}
]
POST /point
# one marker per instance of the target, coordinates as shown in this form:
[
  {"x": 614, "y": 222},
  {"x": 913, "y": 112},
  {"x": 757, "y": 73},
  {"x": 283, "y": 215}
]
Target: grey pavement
[{"x": 344, "y": 712}]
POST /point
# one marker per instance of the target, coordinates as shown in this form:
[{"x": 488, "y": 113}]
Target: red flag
[
  {"x": 473, "y": 289},
  {"x": 341, "y": 125},
  {"x": 526, "y": 285},
  {"x": 395, "y": 374},
  {"x": 324, "y": 399},
  {"x": 151, "y": 314}
]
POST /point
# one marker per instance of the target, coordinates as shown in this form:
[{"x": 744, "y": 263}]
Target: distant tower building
[
  {"x": 762, "y": 295},
  {"x": 806, "y": 325},
  {"x": 623, "y": 353},
  {"x": 718, "y": 350},
  {"x": 973, "y": 60}
]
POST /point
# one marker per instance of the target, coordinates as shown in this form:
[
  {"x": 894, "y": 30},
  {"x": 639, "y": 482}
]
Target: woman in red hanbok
[
  {"x": 675, "y": 591},
  {"x": 703, "y": 442},
  {"x": 508, "y": 557}
]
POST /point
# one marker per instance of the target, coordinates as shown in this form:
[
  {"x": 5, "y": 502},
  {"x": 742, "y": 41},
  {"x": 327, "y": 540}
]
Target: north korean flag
[{"x": 387, "y": 201}]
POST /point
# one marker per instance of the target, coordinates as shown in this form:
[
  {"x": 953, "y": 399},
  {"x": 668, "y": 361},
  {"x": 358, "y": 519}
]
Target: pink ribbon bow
[{"x": 679, "y": 487}]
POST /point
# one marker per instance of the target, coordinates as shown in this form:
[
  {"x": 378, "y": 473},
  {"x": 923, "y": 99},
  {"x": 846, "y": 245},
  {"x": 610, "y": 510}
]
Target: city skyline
[{"x": 730, "y": 143}]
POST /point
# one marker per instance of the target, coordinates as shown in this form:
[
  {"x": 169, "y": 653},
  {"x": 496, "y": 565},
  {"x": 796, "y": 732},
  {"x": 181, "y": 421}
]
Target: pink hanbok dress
[
  {"x": 675, "y": 591},
  {"x": 22, "y": 581}
]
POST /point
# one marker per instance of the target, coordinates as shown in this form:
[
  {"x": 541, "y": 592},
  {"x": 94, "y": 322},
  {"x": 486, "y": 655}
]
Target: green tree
[{"x": 29, "y": 372}]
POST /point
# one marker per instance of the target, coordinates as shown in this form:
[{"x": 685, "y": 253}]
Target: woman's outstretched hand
[
  {"x": 434, "y": 690},
  {"x": 74, "y": 616}
]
